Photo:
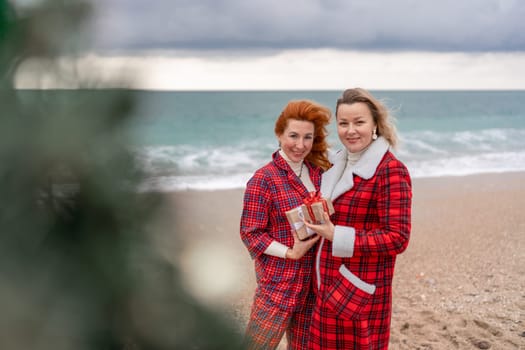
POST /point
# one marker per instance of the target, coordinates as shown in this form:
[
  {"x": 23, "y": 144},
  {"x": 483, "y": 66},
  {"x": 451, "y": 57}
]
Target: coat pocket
[{"x": 349, "y": 296}]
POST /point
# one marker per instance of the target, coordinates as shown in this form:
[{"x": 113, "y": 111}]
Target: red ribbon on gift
[{"x": 314, "y": 198}]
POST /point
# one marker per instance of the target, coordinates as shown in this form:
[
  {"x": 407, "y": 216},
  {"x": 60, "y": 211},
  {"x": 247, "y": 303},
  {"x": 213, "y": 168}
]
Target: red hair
[{"x": 319, "y": 115}]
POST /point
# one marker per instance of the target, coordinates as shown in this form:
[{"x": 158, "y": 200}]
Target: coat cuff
[
  {"x": 343, "y": 243},
  {"x": 276, "y": 249}
]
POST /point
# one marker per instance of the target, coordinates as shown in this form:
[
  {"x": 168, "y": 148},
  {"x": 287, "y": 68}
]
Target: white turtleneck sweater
[
  {"x": 276, "y": 248},
  {"x": 353, "y": 158},
  {"x": 300, "y": 170}
]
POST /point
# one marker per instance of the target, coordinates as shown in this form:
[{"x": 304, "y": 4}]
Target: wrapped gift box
[
  {"x": 315, "y": 206},
  {"x": 295, "y": 218},
  {"x": 312, "y": 210}
]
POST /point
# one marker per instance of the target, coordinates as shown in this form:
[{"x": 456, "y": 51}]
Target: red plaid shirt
[
  {"x": 351, "y": 313},
  {"x": 273, "y": 190}
]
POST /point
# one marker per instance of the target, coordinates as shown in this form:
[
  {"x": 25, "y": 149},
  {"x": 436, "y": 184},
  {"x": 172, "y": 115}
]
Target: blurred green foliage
[{"x": 78, "y": 264}]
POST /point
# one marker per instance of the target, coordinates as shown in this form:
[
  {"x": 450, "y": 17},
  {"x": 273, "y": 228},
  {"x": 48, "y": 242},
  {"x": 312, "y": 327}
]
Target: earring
[{"x": 374, "y": 135}]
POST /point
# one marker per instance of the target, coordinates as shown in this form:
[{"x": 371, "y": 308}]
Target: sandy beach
[{"x": 459, "y": 285}]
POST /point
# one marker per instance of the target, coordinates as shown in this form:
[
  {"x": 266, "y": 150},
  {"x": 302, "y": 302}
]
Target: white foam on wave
[
  {"x": 484, "y": 140},
  {"x": 200, "y": 183},
  {"x": 415, "y": 146},
  {"x": 468, "y": 165},
  {"x": 455, "y": 166},
  {"x": 422, "y": 145},
  {"x": 192, "y": 160},
  {"x": 426, "y": 154}
]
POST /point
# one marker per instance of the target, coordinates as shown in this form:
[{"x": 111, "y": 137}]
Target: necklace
[{"x": 301, "y": 171}]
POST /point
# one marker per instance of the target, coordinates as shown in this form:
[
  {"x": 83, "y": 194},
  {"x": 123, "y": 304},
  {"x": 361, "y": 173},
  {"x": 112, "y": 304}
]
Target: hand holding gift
[
  {"x": 300, "y": 247},
  {"x": 325, "y": 229},
  {"x": 312, "y": 210}
]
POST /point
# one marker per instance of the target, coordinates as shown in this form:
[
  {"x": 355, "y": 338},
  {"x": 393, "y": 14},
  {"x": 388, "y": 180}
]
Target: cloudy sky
[{"x": 313, "y": 44}]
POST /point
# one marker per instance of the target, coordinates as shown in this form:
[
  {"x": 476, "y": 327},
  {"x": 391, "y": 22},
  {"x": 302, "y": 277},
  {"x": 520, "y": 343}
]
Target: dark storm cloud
[{"x": 445, "y": 25}]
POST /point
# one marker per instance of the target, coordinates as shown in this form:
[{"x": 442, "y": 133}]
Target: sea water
[{"x": 216, "y": 140}]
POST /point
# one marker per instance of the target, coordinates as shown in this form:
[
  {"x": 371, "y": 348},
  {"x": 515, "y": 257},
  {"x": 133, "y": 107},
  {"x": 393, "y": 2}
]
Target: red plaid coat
[
  {"x": 273, "y": 190},
  {"x": 354, "y": 273}
]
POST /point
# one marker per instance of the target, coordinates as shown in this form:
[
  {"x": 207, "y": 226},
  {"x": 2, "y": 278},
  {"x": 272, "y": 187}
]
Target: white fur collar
[{"x": 339, "y": 178}]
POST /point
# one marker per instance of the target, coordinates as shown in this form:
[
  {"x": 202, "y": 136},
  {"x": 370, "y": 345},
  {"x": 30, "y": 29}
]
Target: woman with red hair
[{"x": 283, "y": 300}]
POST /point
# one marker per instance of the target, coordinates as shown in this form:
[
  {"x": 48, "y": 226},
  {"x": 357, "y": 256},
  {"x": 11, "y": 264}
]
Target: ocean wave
[
  {"x": 455, "y": 166},
  {"x": 200, "y": 183},
  {"x": 195, "y": 160},
  {"x": 421, "y": 145},
  {"x": 426, "y": 154},
  {"x": 468, "y": 165}
]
